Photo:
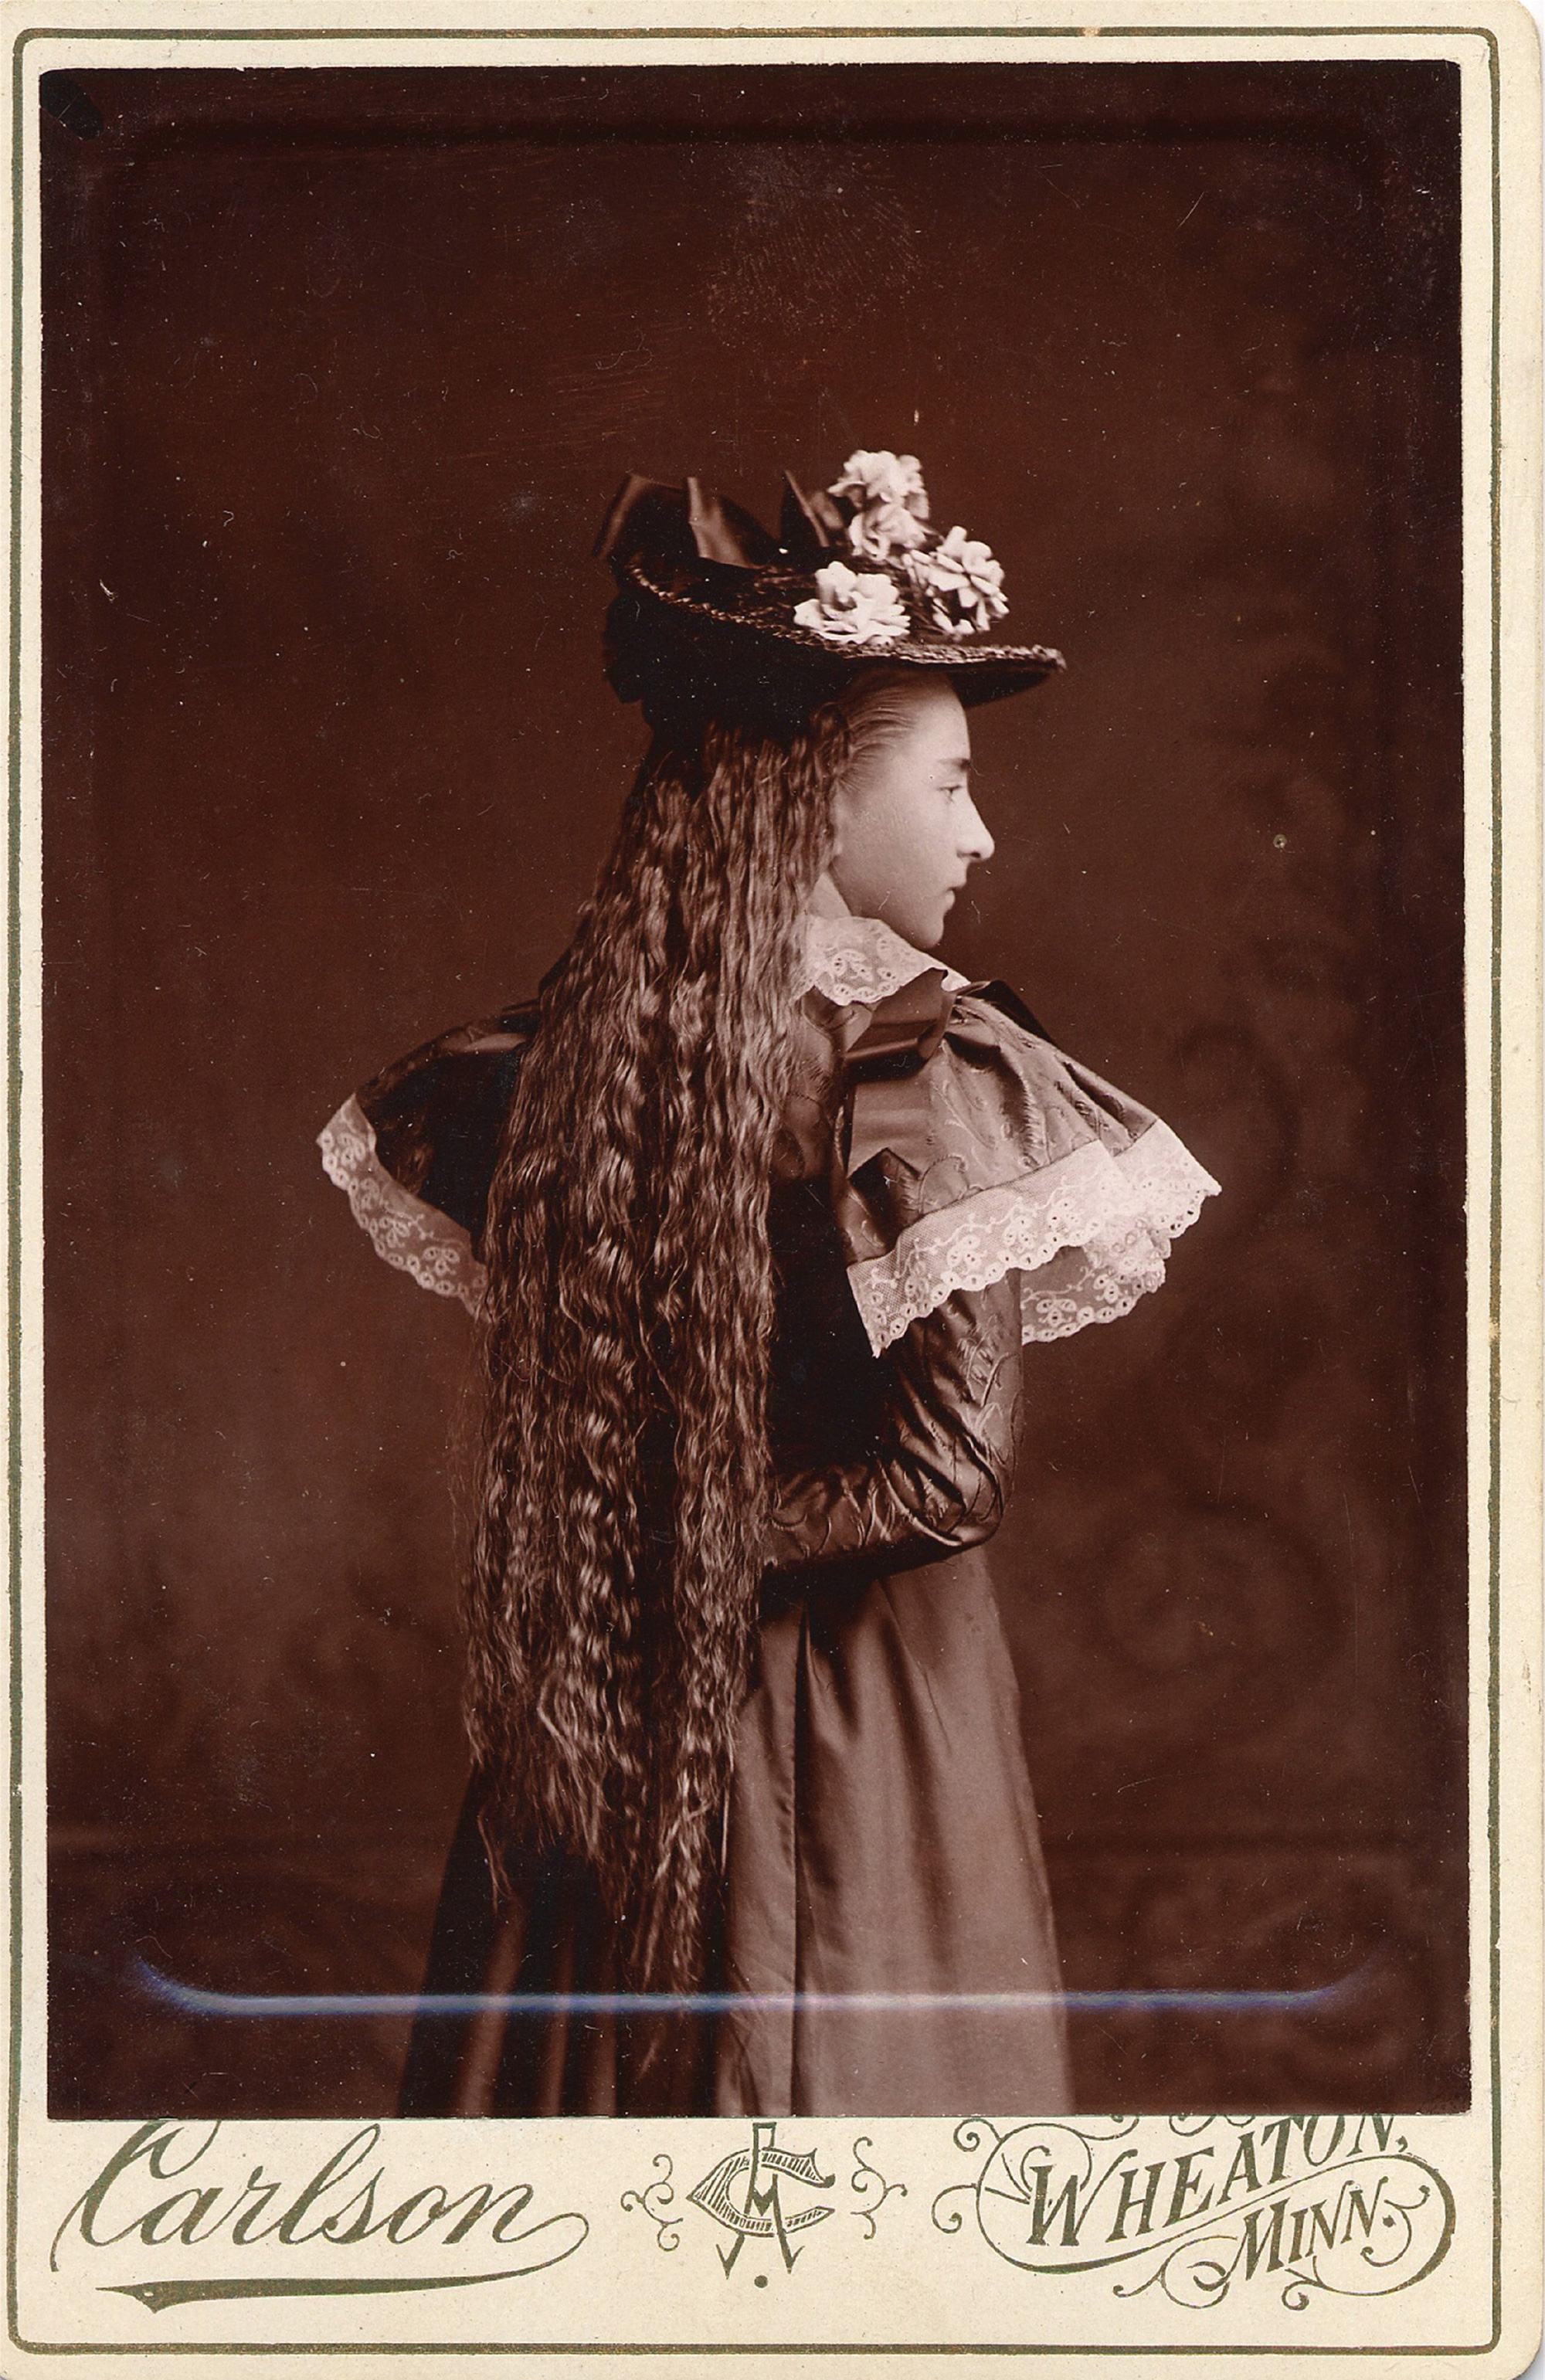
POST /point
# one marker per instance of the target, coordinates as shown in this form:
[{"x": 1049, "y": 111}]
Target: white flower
[
  {"x": 853, "y": 607},
  {"x": 883, "y": 479},
  {"x": 889, "y": 500},
  {"x": 885, "y": 531},
  {"x": 961, "y": 584}
]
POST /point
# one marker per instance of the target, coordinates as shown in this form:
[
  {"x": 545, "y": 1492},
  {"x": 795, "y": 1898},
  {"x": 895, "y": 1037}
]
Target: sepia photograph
[
  {"x": 805, "y": 726},
  {"x": 774, "y": 1198}
]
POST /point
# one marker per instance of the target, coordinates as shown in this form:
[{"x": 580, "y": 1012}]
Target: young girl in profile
[{"x": 757, "y": 1203}]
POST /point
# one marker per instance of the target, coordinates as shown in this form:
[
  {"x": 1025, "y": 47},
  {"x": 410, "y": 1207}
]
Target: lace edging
[
  {"x": 861, "y": 961},
  {"x": 1090, "y": 1232},
  {"x": 405, "y": 1231}
]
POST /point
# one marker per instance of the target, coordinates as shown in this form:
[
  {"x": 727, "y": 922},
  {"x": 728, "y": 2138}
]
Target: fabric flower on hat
[
  {"x": 961, "y": 584},
  {"x": 890, "y": 503},
  {"x": 853, "y": 607}
]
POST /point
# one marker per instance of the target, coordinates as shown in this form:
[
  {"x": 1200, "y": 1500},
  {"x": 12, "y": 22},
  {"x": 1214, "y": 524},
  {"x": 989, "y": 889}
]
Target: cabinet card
[{"x": 869, "y": 1874}]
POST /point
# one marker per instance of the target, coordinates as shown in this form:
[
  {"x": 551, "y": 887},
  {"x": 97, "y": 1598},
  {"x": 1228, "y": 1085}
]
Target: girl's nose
[{"x": 975, "y": 841}]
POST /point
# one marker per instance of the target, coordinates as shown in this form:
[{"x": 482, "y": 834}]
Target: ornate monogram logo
[{"x": 743, "y": 2193}]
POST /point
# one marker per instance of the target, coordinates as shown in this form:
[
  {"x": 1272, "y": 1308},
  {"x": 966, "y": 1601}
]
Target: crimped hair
[{"x": 630, "y": 1318}]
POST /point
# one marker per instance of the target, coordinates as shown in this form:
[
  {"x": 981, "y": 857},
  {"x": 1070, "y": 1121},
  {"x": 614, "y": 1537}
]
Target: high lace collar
[{"x": 860, "y": 960}]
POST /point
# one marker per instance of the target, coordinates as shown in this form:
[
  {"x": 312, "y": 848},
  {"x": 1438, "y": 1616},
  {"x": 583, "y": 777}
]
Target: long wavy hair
[{"x": 629, "y": 1316}]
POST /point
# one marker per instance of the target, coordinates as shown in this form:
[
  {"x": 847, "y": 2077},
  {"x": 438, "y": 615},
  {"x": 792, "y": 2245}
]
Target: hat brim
[{"x": 747, "y": 615}]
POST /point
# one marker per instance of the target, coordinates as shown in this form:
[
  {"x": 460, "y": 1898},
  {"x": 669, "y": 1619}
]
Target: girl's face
[{"x": 907, "y": 832}]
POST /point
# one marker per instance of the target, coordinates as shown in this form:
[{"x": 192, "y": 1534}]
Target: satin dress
[{"x": 952, "y": 1185}]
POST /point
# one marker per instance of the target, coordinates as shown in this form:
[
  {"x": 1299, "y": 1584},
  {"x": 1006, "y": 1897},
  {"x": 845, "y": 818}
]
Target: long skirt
[{"x": 887, "y": 1941}]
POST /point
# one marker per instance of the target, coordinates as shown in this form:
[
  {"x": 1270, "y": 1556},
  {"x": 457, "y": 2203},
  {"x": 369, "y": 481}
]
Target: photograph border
[{"x": 23, "y": 297}]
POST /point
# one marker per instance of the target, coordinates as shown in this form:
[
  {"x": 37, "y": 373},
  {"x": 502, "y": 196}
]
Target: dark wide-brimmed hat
[{"x": 857, "y": 577}]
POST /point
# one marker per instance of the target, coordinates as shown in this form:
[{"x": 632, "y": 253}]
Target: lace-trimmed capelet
[{"x": 968, "y": 1145}]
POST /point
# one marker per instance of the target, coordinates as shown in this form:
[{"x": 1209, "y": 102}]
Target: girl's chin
[
  {"x": 924, "y": 933},
  {"x": 924, "y": 928}
]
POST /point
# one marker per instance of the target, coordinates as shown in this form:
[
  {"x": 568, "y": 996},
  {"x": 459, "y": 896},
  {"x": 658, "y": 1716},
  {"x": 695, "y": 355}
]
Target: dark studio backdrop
[{"x": 341, "y": 370}]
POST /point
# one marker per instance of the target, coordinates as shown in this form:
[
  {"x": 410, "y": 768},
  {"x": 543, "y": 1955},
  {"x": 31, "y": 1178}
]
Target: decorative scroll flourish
[
  {"x": 1309, "y": 2205},
  {"x": 652, "y": 2200},
  {"x": 864, "y": 2182}
]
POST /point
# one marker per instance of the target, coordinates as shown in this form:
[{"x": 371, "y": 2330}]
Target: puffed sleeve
[
  {"x": 973, "y": 1149},
  {"x": 986, "y": 1190},
  {"x": 415, "y": 1150}
]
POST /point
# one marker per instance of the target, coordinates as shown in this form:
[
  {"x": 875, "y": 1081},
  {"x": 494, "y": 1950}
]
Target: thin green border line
[{"x": 12, "y": 1284}]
